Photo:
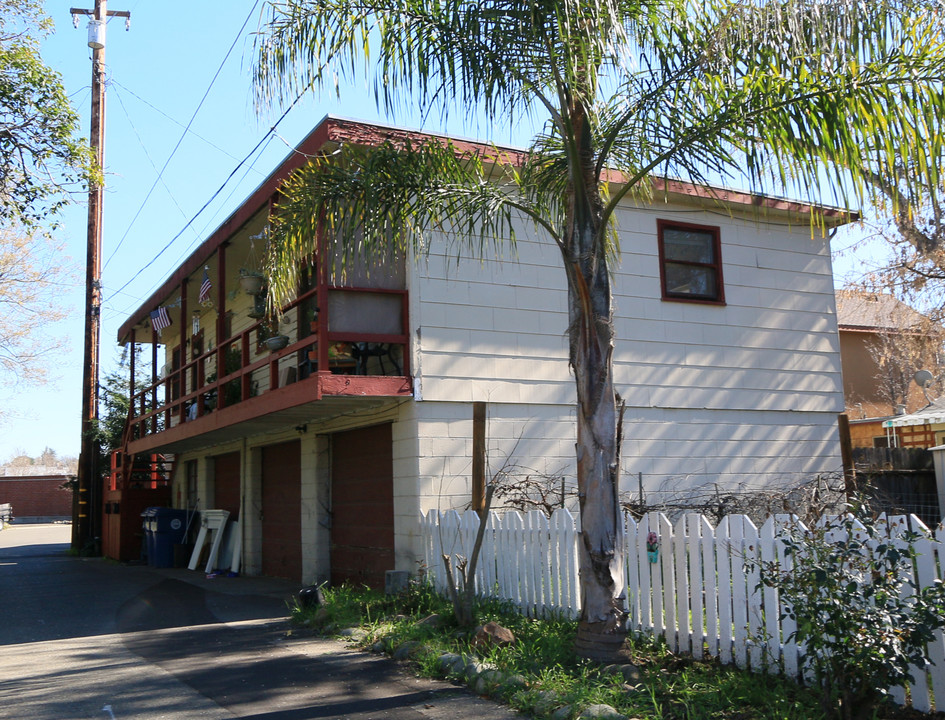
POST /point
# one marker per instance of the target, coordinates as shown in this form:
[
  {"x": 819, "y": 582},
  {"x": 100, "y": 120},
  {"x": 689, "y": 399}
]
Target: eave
[{"x": 333, "y": 131}]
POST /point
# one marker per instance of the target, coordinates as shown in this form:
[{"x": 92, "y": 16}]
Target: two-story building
[{"x": 329, "y": 442}]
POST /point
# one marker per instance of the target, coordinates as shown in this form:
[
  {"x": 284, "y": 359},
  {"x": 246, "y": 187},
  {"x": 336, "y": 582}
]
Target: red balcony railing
[{"x": 228, "y": 374}]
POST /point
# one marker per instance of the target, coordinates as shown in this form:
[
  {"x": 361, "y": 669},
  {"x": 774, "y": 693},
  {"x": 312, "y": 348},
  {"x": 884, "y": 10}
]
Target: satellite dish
[{"x": 923, "y": 378}]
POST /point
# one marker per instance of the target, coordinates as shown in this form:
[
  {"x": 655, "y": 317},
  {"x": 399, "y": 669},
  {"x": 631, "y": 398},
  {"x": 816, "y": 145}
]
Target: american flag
[
  {"x": 160, "y": 319},
  {"x": 205, "y": 286}
]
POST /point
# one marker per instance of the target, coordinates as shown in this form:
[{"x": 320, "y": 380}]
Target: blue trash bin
[
  {"x": 147, "y": 526},
  {"x": 169, "y": 528}
]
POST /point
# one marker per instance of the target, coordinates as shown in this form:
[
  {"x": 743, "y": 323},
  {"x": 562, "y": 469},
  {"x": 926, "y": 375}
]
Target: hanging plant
[{"x": 251, "y": 281}]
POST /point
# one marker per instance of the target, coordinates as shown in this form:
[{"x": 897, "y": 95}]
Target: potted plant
[
  {"x": 251, "y": 281},
  {"x": 275, "y": 340}
]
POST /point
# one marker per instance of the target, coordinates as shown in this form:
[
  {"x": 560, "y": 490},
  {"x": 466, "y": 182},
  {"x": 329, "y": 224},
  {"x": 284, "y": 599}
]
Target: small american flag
[
  {"x": 160, "y": 319},
  {"x": 205, "y": 285}
]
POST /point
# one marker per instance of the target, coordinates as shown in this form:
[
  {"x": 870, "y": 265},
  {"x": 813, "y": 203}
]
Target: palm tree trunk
[{"x": 602, "y": 629}]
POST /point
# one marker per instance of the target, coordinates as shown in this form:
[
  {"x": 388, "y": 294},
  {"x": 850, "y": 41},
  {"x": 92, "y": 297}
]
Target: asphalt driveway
[{"x": 89, "y": 638}]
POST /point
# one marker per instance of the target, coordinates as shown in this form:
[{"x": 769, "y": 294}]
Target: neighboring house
[
  {"x": 923, "y": 428},
  {"x": 329, "y": 448},
  {"x": 883, "y": 342}
]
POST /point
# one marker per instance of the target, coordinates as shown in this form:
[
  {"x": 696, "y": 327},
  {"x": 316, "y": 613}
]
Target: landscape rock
[
  {"x": 451, "y": 664},
  {"x": 487, "y": 681},
  {"x": 562, "y": 713},
  {"x": 405, "y": 650},
  {"x": 545, "y": 702},
  {"x": 474, "y": 668},
  {"x": 511, "y": 683},
  {"x": 601, "y": 712},
  {"x": 433, "y": 621},
  {"x": 493, "y": 635}
]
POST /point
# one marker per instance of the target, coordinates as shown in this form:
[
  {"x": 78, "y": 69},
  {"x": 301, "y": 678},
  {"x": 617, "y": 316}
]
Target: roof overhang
[
  {"x": 923, "y": 417},
  {"x": 334, "y": 131}
]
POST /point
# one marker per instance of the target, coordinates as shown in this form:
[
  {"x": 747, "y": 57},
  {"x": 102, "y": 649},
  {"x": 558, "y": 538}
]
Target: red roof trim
[{"x": 339, "y": 130}]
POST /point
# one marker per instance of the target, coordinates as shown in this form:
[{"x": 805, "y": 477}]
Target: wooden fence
[{"x": 700, "y": 592}]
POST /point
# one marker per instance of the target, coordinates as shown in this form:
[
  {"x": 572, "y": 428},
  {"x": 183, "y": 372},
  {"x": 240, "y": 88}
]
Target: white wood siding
[{"x": 741, "y": 394}]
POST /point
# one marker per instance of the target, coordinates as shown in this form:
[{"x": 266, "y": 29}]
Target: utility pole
[{"x": 87, "y": 514}]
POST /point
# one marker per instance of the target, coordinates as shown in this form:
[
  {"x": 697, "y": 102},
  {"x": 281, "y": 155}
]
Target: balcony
[{"x": 350, "y": 356}]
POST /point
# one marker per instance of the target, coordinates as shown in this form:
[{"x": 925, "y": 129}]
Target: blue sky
[{"x": 158, "y": 74}]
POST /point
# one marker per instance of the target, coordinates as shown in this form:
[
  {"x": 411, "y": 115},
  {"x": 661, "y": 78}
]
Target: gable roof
[
  {"x": 876, "y": 312},
  {"x": 334, "y": 131}
]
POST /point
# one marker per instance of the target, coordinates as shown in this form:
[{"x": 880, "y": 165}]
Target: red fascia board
[
  {"x": 340, "y": 130},
  {"x": 312, "y": 143}
]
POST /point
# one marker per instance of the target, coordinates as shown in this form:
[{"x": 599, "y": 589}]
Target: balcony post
[
  {"x": 322, "y": 276},
  {"x": 154, "y": 379},
  {"x": 221, "y": 315},
  {"x": 131, "y": 377},
  {"x": 184, "y": 334}
]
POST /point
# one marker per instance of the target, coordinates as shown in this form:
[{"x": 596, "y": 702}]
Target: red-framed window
[{"x": 690, "y": 262}]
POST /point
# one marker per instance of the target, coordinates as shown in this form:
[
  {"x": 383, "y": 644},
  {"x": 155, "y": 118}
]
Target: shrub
[{"x": 861, "y": 619}]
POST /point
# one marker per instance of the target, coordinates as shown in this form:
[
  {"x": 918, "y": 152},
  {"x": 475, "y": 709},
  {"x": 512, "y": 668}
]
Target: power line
[
  {"x": 134, "y": 129},
  {"x": 172, "y": 119},
  {"x": 183, "y": 135},
  {"x": 213, "y": 197}
]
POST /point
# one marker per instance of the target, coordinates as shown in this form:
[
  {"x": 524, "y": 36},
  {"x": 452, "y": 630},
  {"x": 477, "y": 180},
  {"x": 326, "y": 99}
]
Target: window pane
[
  {"x": 688, "y": 245},
  {"x": 690, "y": 280}
]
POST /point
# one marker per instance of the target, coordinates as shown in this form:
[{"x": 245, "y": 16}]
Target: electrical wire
[
  {"x": 183, "y": 135},
  {"x": 177, "y": 122},
  {"x": 134, "y": 129},
  {"x": 219, "y": 190}
]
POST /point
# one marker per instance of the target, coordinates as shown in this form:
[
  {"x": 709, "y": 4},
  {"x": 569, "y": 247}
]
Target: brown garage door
[
  {"x": 281, "y": 506},
  {"x": 226, "y": 483},
  {"x": 362, "y": 506}
]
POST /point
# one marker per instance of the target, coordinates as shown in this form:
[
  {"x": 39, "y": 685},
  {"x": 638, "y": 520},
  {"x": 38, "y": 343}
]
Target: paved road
[{"x": 87, "y": 638}]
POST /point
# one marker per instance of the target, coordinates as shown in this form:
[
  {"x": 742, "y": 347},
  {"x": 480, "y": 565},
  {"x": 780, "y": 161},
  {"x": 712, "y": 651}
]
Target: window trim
[{"x": 715, "y": 231}]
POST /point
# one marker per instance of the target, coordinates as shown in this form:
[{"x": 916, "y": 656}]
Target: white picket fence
[{"x": 702, "y": 594}]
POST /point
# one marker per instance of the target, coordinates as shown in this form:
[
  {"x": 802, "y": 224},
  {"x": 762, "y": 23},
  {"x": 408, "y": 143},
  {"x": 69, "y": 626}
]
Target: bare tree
[
  {"x": 899, "y": 353},
  {"x": 31, "y": 276}
]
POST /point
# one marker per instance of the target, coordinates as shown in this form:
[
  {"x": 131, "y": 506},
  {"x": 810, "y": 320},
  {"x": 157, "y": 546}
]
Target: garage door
[
  {"x": 226, "y": 483},
  {"x": 281, "y": 506},
  {"x": 362, "y": 506}
]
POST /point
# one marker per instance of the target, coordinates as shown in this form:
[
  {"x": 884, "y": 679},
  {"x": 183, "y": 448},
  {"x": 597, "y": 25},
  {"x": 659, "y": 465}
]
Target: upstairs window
[{"x": 690, "y": 262}]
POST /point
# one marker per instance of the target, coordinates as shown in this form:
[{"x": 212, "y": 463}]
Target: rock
[
  {"x": 379, "y": 647},
  {"x": 433, "y": 621},
  {"x": 405, "y": 650},
  {"x": 451, "y": 664},
  {"x": 631, "y": 673},
  {"x": 601, "y": 712},
  {"x": 512, "y": 683},
  {"x": 493, "y": 635},
  {"x": 487, "y": 681},
  {"x": 562, "y": 713},
  {"x": 474, "y": 668},
  {"x": 545, "y": 702}
]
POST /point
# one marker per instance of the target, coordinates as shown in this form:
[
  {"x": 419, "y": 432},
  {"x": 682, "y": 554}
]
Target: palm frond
[{"x": 375, "y": 202}]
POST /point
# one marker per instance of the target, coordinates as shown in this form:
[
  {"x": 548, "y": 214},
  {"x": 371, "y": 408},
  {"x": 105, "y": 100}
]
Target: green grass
[{"x": 670, "y": 687}]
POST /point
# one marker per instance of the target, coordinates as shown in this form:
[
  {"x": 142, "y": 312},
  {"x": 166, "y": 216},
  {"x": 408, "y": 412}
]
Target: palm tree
[{"x": 800, "y": 94}]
